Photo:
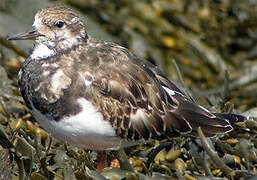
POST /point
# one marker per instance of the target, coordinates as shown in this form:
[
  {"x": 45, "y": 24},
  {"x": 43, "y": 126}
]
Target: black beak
[{"x": 30, "y": 34}]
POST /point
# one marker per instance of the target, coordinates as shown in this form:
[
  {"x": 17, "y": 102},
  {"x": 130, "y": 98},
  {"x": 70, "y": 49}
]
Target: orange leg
[{"x": 101, "y": 160}]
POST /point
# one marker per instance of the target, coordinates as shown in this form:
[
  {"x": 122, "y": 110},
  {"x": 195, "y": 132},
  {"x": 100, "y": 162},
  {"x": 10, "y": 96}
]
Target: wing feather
[{"x": 130, "y": 93}]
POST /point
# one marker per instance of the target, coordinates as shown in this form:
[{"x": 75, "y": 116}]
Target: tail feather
[
  {"x": 211, "y": 123},
  {"x": 233, "y": 119}
]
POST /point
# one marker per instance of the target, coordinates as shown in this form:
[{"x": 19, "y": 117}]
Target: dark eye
[{"x": 59, "y": 24}]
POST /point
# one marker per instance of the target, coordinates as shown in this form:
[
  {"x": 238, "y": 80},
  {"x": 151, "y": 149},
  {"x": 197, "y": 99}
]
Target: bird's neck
[
  {"x": 42, "y": 51},
  {"x": 47, "y": 50}
]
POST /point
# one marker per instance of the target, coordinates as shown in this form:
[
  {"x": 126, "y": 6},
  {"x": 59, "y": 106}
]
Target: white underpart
[
  {"x": 87, "y": 129},
  {"x": 89, "y": 120},
  {"x": 169, "y": 91},
  {"x": 41, "y": 51}
]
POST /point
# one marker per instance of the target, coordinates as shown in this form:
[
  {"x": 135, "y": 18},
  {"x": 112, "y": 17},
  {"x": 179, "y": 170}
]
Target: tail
[
  {"x": 233, "y": 119},
  {"x": 193, "y": 116},
  {"x": 185, "y": 117}
]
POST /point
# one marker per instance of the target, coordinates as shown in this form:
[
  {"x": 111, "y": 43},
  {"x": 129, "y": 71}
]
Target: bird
[{"x": 98, "y": 95}]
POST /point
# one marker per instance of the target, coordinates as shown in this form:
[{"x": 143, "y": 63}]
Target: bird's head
[{"x": 56, "y": 27}]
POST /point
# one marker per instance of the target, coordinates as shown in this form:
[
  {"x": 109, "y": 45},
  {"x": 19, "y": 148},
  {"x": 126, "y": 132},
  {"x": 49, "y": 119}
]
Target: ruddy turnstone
[{"x": 97, "y": 95}]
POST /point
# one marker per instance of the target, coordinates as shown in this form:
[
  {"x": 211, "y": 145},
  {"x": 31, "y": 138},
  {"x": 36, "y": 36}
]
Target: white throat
[{"x": 41, "y": 51}]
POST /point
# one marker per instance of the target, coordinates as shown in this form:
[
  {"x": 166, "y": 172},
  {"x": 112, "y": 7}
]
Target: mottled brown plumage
[{"x": 133, "y": 96}]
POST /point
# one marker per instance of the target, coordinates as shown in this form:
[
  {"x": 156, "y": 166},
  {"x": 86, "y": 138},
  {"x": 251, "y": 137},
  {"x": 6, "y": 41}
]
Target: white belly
[{"x": 87, "y": 129}]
